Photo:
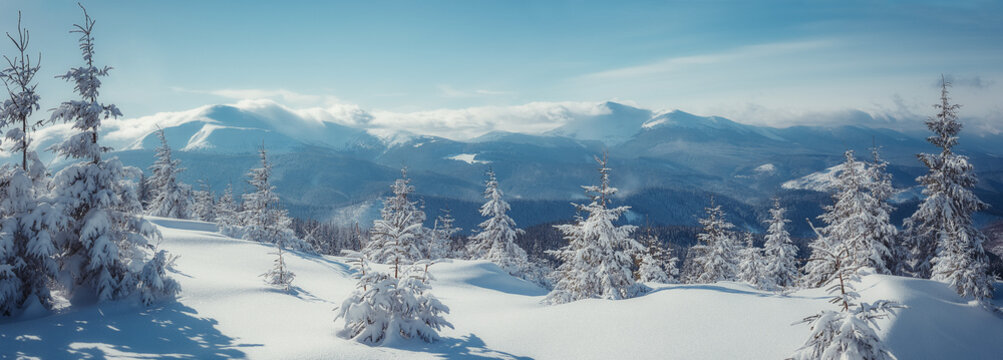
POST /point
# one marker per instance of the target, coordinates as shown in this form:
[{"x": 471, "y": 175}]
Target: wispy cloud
[
  {"x": 452, "y": 92},
  {"x": 280, "y": 95},
  {"x": 682, "y": 63}
]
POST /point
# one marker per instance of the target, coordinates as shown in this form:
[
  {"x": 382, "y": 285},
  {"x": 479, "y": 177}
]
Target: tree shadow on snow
[
  {"x": 717, "y": 288},
  {"x": 467, "y": 347},
  {"x": 172, "y": 330}
]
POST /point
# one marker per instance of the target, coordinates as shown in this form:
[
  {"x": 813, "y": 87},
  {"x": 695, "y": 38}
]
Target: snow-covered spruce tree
[
  {"x": 203, "y": 203},
  {"x": 262, "y": 219},
  {"x": 656, "y": 263},
  {"x": 440, "y": 246},
  {"x": 103, "y": 241},
  {"x": 596, "y": 260},
  {"x": 396, "y": 237},
  {"x": 851, "y": 223},
  {"x": 26, "y": 249},
  {"x": 779, "y": 252},
  {"x": 751, "y": 265},
  {"x": 227, "y": 210},
  {"x": 848, "y": 333},
  {"x": 169, "y": 197},
  {"x": 279, "y": 275},
  {"x": 716, "y": 255},
  {"x": 945, "y": 245},
  {"x": 881, "y": 189},
  {"x": 382, "y": 305},
  {"x": 496, "y": 240}
]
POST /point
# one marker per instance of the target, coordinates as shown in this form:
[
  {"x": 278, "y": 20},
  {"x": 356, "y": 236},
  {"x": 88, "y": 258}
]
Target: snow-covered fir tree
[
  {"x": 440, "y": 246},
  {"x": 155, "y": 285},
  {"x": 262, "y": 219},
  {"x": 227, "y": 210},
  {"x": 716, "y": 254},
  {"x": 383, "y": 306},
  {"x": 779, "y": 252},
  {"x": 26, "y": 249},
  {"x": 279, "y": 275},
  {"x": 656, "y": 262},
  {"x": 103, "y": 241},
  {"x": 203, "y": 203},
  {"x": 597, "y": 259},
  {"x": 751, "y": 265},
  {"x": 881, "y": 189},
  {"x": 945, "y": 244},
  {"x": 847, "y": 333},
  {"x": 496, "y": 240},
  {"x": 397, "y": 237},
  {"x": 169, "y": 197},
  {"x": 851, "y": 224}
]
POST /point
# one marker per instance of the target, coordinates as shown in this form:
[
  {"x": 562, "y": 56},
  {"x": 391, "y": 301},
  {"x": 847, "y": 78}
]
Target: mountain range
[{"x": 667, "y": 165}]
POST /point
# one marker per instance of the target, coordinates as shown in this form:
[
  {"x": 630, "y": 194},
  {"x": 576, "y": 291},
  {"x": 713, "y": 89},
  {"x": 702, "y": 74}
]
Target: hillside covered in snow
[{"x": 225, "y": 310}]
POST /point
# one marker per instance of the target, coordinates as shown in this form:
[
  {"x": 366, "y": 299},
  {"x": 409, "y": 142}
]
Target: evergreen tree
[
  {"x": 103, "y": 240},
  {"x": 851, "y": 224},
  {"x": 596, "y": 260},
  {"x": 442, "y": 236},
  {"x": 227, "y": 210},
  {"x": 27, "y": 264},
  {"x": 656, "y": 262},
  {"x": 880, "y": 187},
  {"x": 945, "y": 245},
  {"x": 848, "y": 333},
  {"x": 496, "y": 240},
  {"x": 396, "y": 236},
  {"x": 382, "y": 305},
  {"x": 168, "y": 196},
  {"x": 716, "y": 255},
  {"x": 203, "y": 203},
  {"x": 779, "y": 251},
  {"x": 279, "y": 276},
  {"x": 750, "y": 266},
  {"x": 262, "y": 219}
]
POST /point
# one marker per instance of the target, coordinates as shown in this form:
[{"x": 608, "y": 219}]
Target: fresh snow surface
[
  {"x": 226, "y": 311},
  {"x": 822, "y": 181},
  {"x": 468, "y": 158}
]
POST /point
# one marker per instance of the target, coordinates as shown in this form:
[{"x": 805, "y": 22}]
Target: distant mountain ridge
[{"x": 323, "y": 167}]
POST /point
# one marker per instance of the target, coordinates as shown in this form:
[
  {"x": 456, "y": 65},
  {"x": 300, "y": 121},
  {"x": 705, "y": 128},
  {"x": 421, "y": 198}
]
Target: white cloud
[
  {"x": 682, "y": 63},
  {"x": 283, "y": 96}
]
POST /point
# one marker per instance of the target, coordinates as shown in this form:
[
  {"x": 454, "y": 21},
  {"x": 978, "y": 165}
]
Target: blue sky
[{"x": 772, "y": 62}]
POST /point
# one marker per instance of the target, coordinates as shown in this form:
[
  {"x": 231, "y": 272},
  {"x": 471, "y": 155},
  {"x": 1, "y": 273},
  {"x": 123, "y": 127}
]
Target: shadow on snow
[
  {"x": 467, "y": 347},
  {"x": 172, "y": 330}
]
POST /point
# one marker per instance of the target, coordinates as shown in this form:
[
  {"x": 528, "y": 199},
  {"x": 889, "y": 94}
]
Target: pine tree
[
  {"x": 227, "y": 210},
  {"x": 27, "y": 264},
  {"x": 396, "y": 236},
  {"x": 779, "y": 251},
  {"x": 262, "y": 219},
  {"x": 716, "y": 255},
  {"x": 945, "y": 245},
  {"x": 850, "y": 332},
  {"x": 880, "y": 187},
  {"x": 751, "y": 265},
  {"x": 279, "y": 275},
  {"x": 496, "y": 240},
  {"x": 203, "y": 203},
  {"x": 168, "y": 196},
  {"x": 382, "y": 305},
  {"x": 442, "y": 236},
  {"x": 851, "y": 223},
  {"x": 656, "y": 263},
  {"x": 596, "y": 260},
  {"x": 103, "y": 240}
]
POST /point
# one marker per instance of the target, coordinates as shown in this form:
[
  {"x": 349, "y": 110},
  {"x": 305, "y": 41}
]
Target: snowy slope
[{"x": 226, "y": 311}]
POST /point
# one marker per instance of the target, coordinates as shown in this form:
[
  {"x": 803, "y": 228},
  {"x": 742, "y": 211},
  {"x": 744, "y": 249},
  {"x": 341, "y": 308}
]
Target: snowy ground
[{"x": 226, "y": 311}]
